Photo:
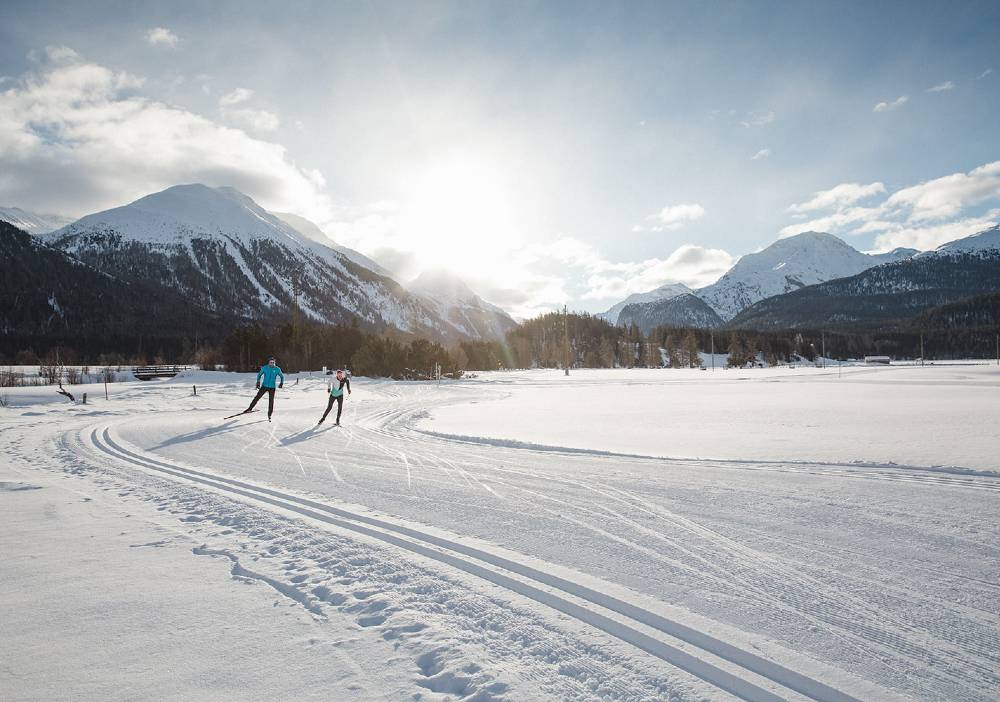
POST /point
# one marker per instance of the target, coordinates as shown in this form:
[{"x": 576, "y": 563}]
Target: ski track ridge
[{"x": 491, "y": 567}]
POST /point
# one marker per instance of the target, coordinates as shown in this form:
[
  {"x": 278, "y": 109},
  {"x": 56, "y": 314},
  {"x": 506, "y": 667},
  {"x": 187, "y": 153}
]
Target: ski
[{"x": 239, "y": 413}]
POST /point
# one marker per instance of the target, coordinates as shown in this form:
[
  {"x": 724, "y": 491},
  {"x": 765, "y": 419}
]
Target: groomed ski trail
[{"x": 735, "y": 670}]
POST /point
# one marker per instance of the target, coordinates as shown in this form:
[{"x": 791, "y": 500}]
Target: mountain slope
[
  {"x": 886, "y": 295},
  {"x": 787, "y": 265},
  {"x": 664, "y": 292},
  {"x": 455, "y": 302},
  {"x": 32, "y": 222},
  {"x": 686, "y": 310},
  {"x": 49, "y": 293},
  {"x": 223, "y": 252},
  {"x": 309, "y": 230}
]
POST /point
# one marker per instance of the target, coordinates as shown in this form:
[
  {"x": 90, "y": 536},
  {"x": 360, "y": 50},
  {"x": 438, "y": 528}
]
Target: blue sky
[{"x": 591, "y": 149}]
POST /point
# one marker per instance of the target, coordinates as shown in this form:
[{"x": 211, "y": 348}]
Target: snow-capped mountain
[
  {"x": 684, "y": 310},
  {"x": 32, "y": 222},
  {"x": 887, "y": 296},
  {"x": 50, "y": 293},
  {"x": 225, "y": 253},
  {"x": 664, "y": 292},
  {"x": 456, "y": 302},
  {"x": 312, "y": 232},
  {"x": 986, "y": 242},
  {"x": 786, "y": 265}
]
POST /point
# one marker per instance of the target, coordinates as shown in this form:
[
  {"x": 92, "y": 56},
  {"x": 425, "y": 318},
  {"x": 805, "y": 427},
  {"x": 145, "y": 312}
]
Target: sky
[{"x": 550, "y": 153}]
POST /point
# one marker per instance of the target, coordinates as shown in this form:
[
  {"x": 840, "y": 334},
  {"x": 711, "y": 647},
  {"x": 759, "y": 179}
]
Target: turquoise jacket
[{"x": 269, "y": 373}]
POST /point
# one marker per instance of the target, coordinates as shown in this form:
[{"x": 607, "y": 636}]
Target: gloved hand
[
  {"x": 258, "y": 386},
  {"x": 281, "y": 385}
]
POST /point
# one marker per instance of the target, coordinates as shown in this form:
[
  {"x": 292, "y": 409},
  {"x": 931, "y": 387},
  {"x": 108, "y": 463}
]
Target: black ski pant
[
  {"x": 270, "y": 400},
  {"x": 329, "y": 405}
]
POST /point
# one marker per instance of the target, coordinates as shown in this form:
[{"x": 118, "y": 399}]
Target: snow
[
  {"x": 32, "y": 222},
  {"x": 663, "y": 292},
  {"x": 987, "y": 241},
  {"x": 786, "y": 265},
  {"x": 808, "y": 536},
  {"x": 178, "y": 213}
]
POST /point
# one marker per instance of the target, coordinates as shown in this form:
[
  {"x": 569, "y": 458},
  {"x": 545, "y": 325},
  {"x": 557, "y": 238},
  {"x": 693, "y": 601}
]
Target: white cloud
[
  {"x": 672, "y": 217},
  {"x": 897, "y": 103},
  {"x": 758, "y": 119},
  {"x": 947, "y": 196},
  {"x": 843, "y": 194},
  {"x": 763, "y": 153},
  {"x": 161, "y": 36},
  {"x": 235, "y": 97},
  {"x": 75, "y": 138},
  {"x": 930, "y": 237},
  {"x": 920, "y": 216},
  {"x": 942, "y": 87},
  {"x": 255, "y": 120},
  {"x": 985, "y": 73}
]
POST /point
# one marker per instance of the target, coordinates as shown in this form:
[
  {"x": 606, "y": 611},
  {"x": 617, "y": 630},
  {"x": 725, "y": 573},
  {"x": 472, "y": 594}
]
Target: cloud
[
  {"x": 758, "y": 119},
  {"x": 895, "y": 104},
  {"x": 246, "y": 117},
  {"x": 843, "y": 194},
  {"x": 941, "y": 87},
  {"x": 693, "y": 265},
  {"x": 930, "y": 237},
  {"x": 985, "y": 73},
  {"x": 235, "y": 97},
  {"x": 76, "y": 137},
  {"x": 161, "y": 36},
  {"x": 920, "y": 216},
  {"x": 947, "y": 196},
  {"x": 255, "y": 120},
  {"x": 671, "y": 217},
  {"x": 762, "y": 154}
]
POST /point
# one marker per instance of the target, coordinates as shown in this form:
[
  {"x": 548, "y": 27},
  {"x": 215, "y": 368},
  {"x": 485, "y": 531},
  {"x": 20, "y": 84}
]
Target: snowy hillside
[
  {"x": 312, "y": 232},
  {"x": 664, "y": 292},
  {"x": 460, "y": 306},
  {"x": 32, "y": 222},
  {"x": 787, "y": 265},
  {"x": 686, "y": 310},
  {"x": 888, "y": 295},
  {"x": 225, "y": 253},
  {"x": 986, "y": 242}
]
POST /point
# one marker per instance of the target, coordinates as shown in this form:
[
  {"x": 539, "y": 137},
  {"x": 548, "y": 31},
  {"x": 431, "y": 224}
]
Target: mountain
[
  {"x": 32, "y": 222},
  {"x": 888, "y": 295},
  {"x": 663, "y": 292},
  {"x": 787, "y": 265},
  {"x": 455, "y": 302},
  {"x": 45, "y": 292},
  {"x": 685, "y": 310},
  {"x": 985, "y": 243},
  {"x": 312, "y": 232},
  {"x": 223, "y": 252}
]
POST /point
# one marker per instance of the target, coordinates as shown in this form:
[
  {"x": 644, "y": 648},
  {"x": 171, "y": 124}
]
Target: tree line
[{"x": 547, "y": 341}]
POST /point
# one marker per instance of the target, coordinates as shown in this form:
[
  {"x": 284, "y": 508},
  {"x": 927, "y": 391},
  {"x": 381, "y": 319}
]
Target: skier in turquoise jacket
[{"x": 266, "y": 378}]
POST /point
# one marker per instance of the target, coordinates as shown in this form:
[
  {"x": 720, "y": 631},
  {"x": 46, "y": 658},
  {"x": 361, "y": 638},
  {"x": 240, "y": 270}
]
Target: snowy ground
[{"x": 655, "y": 535}]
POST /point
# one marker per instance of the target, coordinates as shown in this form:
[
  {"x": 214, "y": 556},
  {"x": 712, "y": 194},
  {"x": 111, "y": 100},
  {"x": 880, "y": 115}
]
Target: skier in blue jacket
[{"x": 265, "y": 384}]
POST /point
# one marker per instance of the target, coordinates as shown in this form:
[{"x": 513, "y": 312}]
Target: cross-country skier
[
  {"x": 337, "y": 395},
  {"x": 265, "y": 384}
]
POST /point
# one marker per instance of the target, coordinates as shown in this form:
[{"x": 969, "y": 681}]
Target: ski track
[
  {"x": 954, "y": 647},
  {"x": 544, "y": 588}
]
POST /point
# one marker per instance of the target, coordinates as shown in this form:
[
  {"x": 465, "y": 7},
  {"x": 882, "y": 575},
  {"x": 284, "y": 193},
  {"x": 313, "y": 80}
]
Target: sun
[{"x": 458, "y": 209}]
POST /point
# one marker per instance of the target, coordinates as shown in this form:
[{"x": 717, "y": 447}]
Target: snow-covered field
[{"x": 770, "y": 534}]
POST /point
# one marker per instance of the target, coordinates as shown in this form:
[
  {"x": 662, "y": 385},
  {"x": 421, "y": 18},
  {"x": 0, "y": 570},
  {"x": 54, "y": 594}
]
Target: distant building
[{"x": 877, "y": 360}]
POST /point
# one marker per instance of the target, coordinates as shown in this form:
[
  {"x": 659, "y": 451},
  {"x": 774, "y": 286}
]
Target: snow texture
[{"x": 824, "y": 534}]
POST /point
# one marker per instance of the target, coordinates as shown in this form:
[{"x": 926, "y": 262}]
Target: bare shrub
[
  {"x": 108, "y": 375},
  {"x": 73, "y": 376}
]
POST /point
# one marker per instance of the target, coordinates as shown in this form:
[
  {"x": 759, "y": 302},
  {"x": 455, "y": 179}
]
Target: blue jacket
[{"x": 269, "y": 373}]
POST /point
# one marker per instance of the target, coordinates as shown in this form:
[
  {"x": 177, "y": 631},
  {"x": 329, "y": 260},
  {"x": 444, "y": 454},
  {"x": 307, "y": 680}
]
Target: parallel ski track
[{"x": 561, "y": 594}]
